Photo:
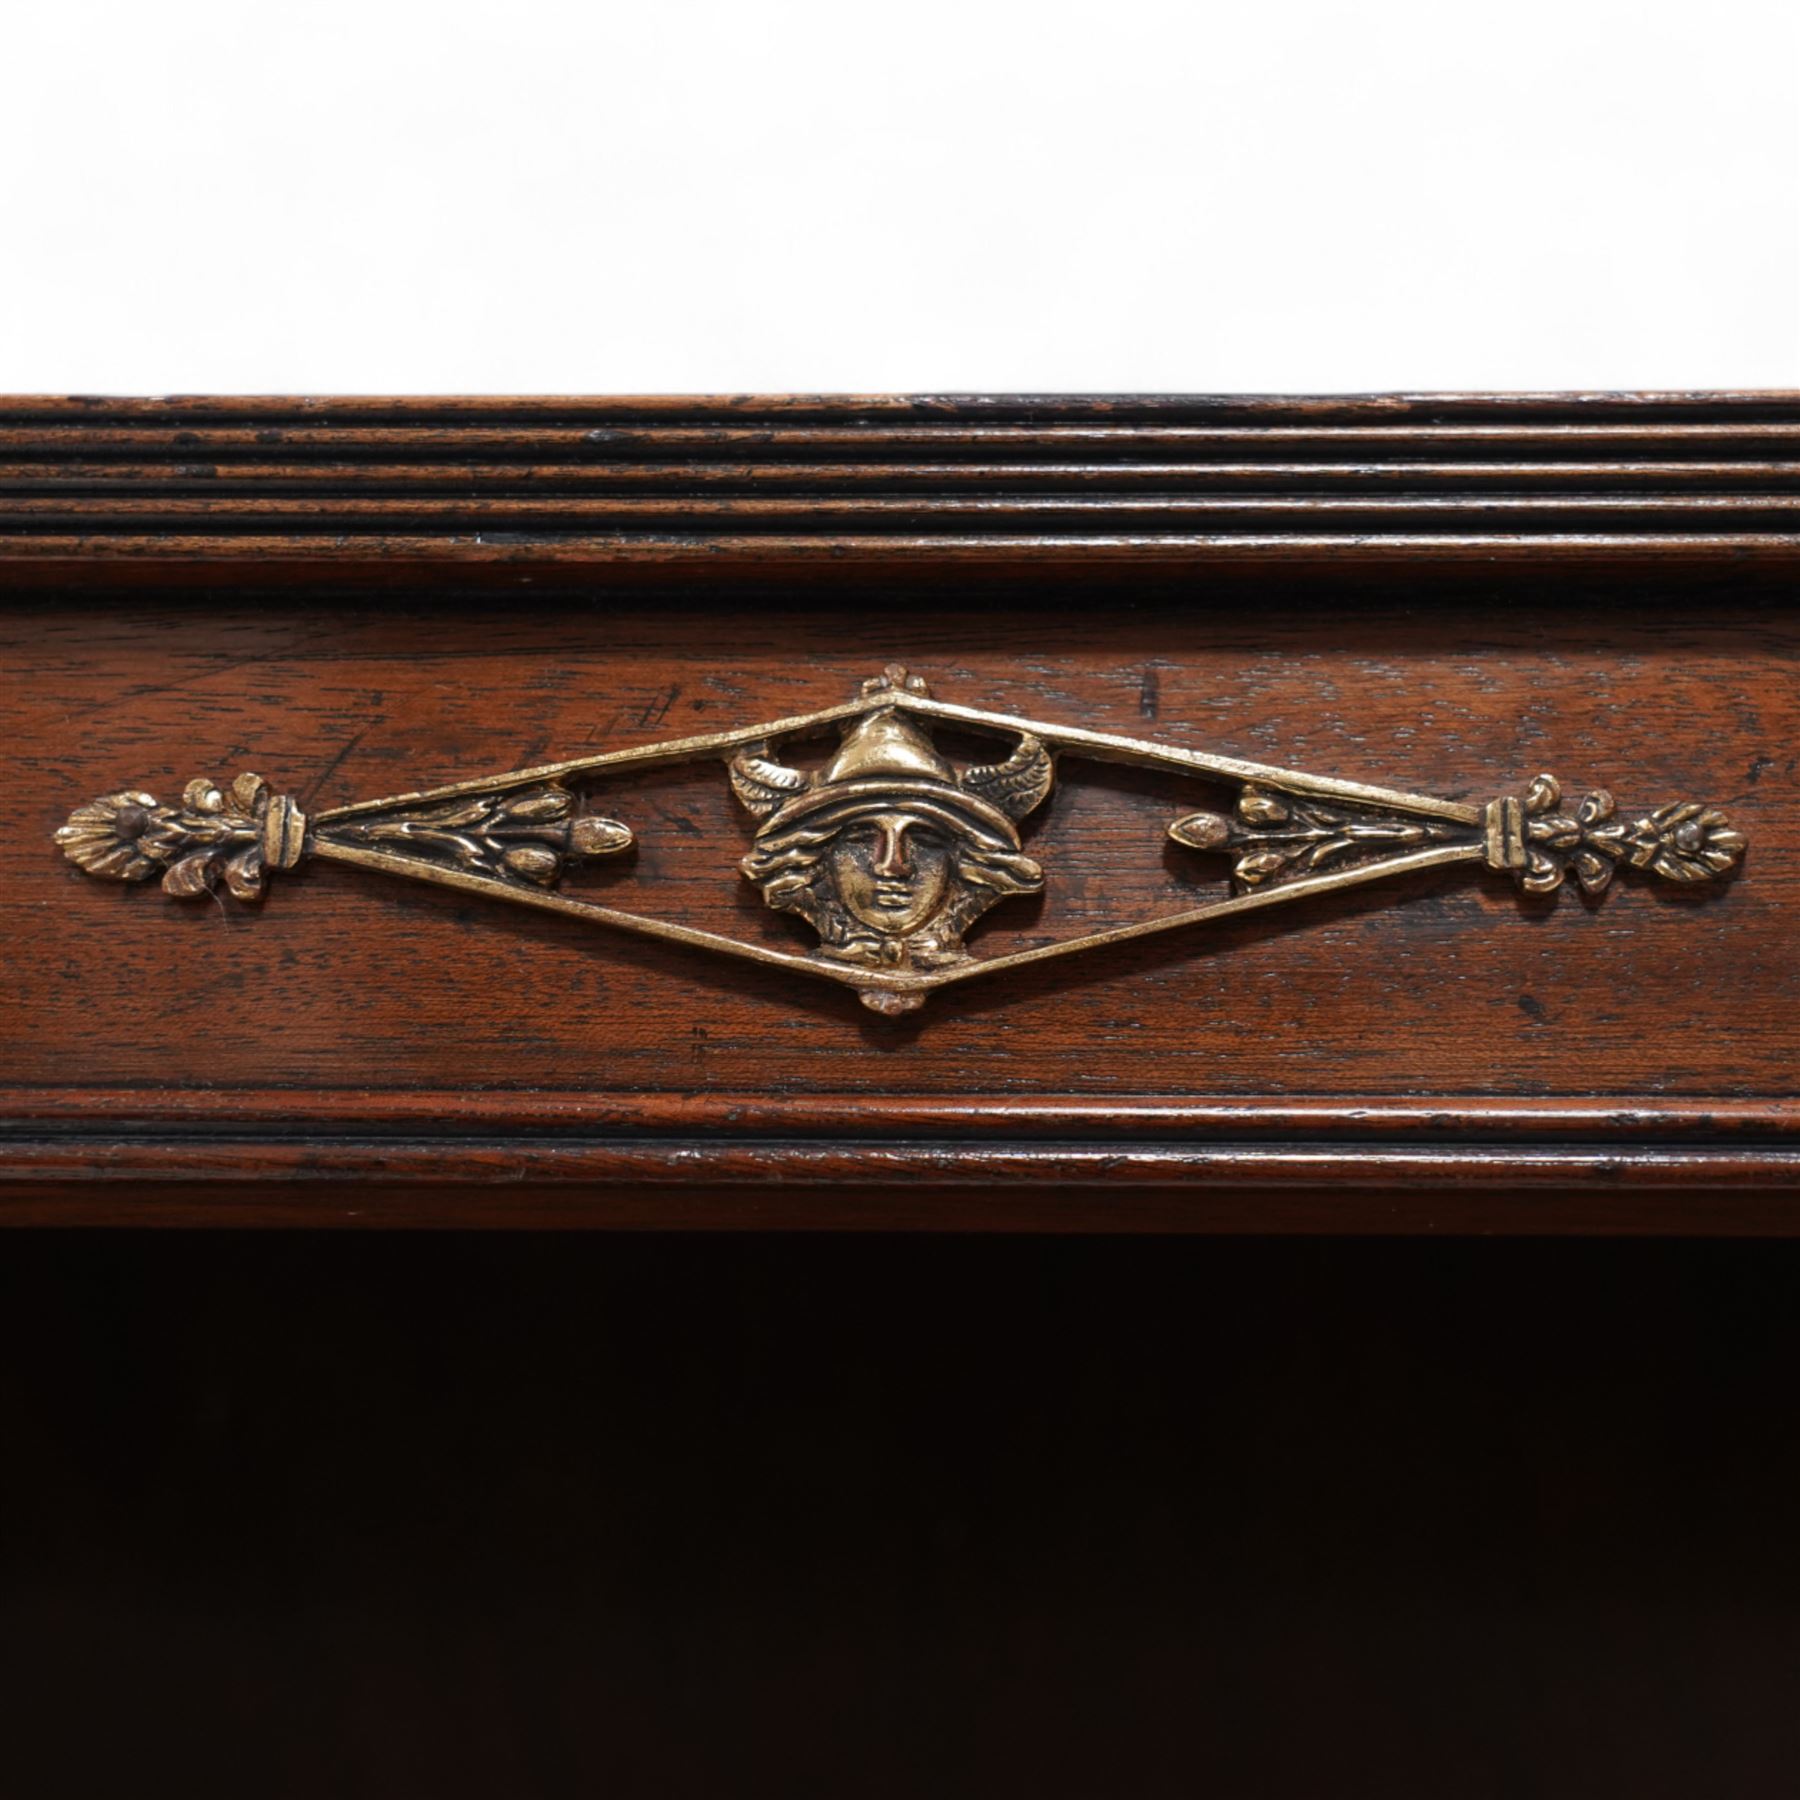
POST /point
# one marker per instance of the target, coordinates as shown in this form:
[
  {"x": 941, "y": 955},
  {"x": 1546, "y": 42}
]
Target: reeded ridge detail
[
  {"x": 890, "y": 852},
  {"x": 735, "y": 481}
]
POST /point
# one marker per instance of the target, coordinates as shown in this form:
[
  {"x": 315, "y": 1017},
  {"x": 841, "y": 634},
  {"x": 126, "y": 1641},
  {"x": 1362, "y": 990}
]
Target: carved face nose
[{"x": 890, "y": 851}]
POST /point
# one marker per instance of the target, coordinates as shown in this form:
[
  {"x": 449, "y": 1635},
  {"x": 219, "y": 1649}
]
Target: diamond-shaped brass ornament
[{"x": 890, "y": 852}]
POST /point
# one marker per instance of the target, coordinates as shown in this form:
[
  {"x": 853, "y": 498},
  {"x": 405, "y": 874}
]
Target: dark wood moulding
[
  {"x": 757, "y": 483},
  {"x": 1444, "y": 593}
]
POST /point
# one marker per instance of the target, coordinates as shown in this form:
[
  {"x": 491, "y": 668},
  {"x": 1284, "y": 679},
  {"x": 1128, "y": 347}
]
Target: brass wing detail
[{"x": 889, "y": 851}]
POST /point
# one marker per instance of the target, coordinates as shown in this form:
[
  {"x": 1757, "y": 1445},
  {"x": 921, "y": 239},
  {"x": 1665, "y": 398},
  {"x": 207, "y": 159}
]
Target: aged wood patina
[{"x": 1167, "y": 641}]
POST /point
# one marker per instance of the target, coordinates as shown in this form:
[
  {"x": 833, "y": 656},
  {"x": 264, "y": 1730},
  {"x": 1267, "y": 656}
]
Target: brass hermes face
[
  {"x": 888, "y": 852},
  {"x": 892, "y": 873}
]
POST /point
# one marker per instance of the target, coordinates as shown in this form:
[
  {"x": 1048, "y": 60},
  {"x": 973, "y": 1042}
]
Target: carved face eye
[{"x": 924, "y": 847}]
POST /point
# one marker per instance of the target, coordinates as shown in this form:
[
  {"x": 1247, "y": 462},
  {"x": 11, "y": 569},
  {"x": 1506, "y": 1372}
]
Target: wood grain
[
  {"x": 1421, "y": 1031},
  {"x": 733, "y": 482}
]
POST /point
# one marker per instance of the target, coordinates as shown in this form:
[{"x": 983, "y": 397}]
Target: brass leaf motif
[
  {"x": 238, "y": 833},
  {"x": 526, "y": 836},
  {"x": 1279, "y": 838},
  {"x": 1685, "y": 841}
]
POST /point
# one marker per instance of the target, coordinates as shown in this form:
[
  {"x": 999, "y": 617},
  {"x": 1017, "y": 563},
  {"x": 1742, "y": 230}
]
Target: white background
[{"x": 679, "y": 195}]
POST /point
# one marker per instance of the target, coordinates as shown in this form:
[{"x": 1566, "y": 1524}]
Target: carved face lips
[{"x": 892, "y": 872}]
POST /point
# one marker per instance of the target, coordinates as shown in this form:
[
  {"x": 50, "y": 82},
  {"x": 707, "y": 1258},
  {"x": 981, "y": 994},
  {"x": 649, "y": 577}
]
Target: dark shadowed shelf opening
[{"x": 896, "y": 1517}]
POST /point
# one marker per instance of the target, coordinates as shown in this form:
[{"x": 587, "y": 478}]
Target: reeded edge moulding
[{"x": 890, "y": 852}]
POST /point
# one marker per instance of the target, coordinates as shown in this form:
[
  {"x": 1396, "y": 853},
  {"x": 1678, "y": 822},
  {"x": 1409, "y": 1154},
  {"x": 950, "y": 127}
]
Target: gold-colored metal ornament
[{"x": 890, "y": 852}]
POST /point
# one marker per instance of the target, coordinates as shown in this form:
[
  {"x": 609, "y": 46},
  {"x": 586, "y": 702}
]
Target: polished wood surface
[
  {"x": 896, "y": 482},
  {"x": 469, "y": 1061},
  {"x": 822, "y": 1492}
]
